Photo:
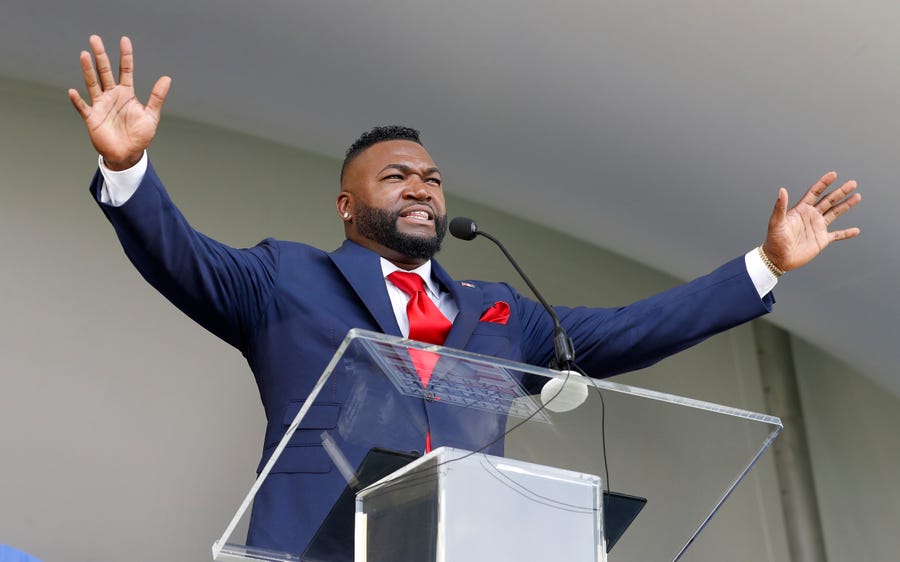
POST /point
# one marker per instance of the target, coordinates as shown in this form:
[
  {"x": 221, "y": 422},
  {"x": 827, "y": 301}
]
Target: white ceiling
[{"x": 658, "y": 129}]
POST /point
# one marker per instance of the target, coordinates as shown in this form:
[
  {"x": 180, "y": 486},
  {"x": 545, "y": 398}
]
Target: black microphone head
[{"x": 463, "y": 228}]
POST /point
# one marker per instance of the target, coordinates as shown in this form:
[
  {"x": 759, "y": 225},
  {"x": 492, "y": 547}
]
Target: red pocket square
[{"x": 498, "y": 314}]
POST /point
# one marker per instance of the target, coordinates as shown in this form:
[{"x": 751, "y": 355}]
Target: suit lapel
[
  {"x": 362, "y": 269},
  {"x": 468, "y": 299}
]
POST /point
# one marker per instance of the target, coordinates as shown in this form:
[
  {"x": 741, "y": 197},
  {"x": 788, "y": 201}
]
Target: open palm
[
  {"x": 120, "y": 127},
  {"x": 797, "y": 235}
]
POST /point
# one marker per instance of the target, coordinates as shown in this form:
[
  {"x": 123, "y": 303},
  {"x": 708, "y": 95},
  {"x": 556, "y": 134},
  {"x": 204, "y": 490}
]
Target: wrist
[
  {"x": 773, "y": 268},
  {"x": 123, "y": 164}
]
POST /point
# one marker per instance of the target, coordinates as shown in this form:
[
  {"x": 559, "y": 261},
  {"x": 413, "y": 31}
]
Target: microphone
[{"x": 465, "y": 229}]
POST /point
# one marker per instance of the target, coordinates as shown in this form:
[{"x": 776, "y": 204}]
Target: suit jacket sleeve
[
  {"x": 224, "y": 289},
  {"x": 610, "y": 341}
]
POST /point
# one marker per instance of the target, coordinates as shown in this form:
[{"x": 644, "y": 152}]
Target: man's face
[{"x": 393, "y": 194}]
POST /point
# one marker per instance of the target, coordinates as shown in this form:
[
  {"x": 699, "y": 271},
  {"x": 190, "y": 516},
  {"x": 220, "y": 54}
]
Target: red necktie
[{"x": 426, "y": 324}]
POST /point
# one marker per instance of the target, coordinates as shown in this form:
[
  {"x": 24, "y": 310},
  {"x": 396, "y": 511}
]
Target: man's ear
[{"x": 344, "y": 206}]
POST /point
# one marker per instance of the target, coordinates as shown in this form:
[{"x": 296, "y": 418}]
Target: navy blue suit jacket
[{"x": 287, "y": 306}]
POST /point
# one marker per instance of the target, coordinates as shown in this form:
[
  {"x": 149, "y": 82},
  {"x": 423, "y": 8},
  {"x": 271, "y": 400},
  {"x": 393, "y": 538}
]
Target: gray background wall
[{"x": 126, "y": 430}]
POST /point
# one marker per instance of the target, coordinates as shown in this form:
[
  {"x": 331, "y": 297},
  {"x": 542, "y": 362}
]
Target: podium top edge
[{"x": 599, "y": 384}]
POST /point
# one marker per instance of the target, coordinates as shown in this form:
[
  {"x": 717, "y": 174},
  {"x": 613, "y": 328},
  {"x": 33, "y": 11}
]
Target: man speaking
[{"x": 286, "y": 304}]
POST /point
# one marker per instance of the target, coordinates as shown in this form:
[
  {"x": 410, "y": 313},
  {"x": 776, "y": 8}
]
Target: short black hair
[{"x": 376, "y": 135}]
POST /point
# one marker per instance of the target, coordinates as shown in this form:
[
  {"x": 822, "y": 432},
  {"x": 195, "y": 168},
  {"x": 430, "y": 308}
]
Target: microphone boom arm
[{"x": 562, "y": 344}]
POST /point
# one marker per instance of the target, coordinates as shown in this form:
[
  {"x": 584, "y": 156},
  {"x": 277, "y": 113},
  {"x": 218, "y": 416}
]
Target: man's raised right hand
[{"x": 119, "y": 126}]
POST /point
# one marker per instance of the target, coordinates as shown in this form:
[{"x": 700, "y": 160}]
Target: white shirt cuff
[
  {"x": 118, "y": 187},
  {"x": 763, "y": 279}
]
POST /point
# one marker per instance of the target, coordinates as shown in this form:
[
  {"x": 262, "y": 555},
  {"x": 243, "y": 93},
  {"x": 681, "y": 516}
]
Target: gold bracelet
[{"x": 772, "y": 267}]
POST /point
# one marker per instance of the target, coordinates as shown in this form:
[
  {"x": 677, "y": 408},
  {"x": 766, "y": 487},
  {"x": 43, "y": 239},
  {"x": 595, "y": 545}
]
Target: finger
[
  {"x": 836, "y": 196},
  {"x": 781, "y": 205},
  {"x": 833, "y": 213},
  {"x": 126, "y": 63},
  {"x": 845, "y": 234},
  {"x": 80, "y": 105},
  {"x": 158, "y": 96},
  {"x": 90, "y": 76},
  {"x": 107, "y": 80},
  {"x": 815, "y": 191}
]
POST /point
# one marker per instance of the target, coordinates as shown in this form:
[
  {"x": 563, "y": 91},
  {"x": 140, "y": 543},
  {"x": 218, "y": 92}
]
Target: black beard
[{"x": 380, "y": 226}]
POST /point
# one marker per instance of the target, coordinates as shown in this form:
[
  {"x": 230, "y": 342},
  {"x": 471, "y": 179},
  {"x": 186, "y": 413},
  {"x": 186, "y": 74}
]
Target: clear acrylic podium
[{"x": 546, "y": 443}]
